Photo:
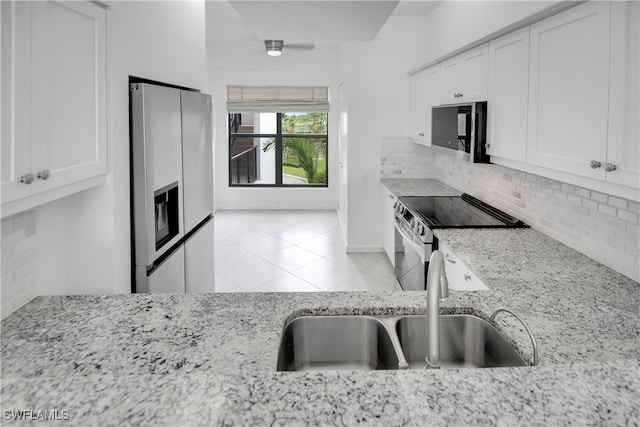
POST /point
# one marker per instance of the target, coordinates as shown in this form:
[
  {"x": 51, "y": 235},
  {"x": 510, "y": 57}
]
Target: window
[
  {"x": 278, "y": 149},
  {"x": 278, "y": 136}
]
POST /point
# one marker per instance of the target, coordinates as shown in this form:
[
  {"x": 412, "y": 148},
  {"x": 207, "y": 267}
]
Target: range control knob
[{"x": 421, "y": 230}]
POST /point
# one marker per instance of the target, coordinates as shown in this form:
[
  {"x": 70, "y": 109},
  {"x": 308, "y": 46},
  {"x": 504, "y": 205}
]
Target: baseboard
[{"x": 354, "y": 249}]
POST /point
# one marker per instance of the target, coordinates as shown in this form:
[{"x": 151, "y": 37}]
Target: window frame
[{"x": 279, "y": 137}]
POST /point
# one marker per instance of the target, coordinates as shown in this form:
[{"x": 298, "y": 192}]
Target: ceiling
[{"x": 238, "y": 22}]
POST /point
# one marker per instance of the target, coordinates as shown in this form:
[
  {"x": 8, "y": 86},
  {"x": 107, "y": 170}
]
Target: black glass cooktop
[{"x": 459, "y": 212}]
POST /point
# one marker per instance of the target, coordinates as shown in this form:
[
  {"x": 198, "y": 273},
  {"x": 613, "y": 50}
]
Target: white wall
[
  {"x": 455, "y": 24},
  {"x": 319, "y": 67},
  {"x": 379, "y": 90},
  {"x": 378, "y": 106},
  {"x": 84, "y": 239}
]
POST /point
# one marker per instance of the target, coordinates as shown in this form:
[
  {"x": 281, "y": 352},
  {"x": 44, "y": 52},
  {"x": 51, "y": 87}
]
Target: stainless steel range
[{"x": 417, "y": 217}]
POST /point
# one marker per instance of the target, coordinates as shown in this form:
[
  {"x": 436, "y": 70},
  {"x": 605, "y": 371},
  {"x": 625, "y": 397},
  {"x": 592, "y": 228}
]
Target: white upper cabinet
[
  {"x": 464, "y": 77},
  {"x": 508, "y": 95},
  {"x": 425, "y": 93},
  {"x": 622, "y": 164},
  {"x": 569, "y": 91},
  {"x": 54, "y": 100}
]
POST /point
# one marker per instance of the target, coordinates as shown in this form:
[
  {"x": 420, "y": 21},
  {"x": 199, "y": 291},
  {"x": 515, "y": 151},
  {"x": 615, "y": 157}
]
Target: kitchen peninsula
[{"x": 211, "y": 358}]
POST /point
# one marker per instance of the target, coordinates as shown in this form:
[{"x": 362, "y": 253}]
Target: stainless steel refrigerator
[{"x": 171, "y": 189}]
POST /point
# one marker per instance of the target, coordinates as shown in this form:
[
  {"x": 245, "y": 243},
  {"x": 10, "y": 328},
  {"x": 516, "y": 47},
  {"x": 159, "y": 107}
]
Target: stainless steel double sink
[{"x": 390, "y": 342}]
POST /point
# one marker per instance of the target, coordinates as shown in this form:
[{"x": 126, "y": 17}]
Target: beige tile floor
[{"x": 292, "y": 251}]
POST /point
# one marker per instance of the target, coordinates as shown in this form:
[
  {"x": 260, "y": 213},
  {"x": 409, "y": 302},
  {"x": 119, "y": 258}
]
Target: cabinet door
[
  {"x": 425, "y": 93},
  {"x": 16, "y": 96},
  {"x": 419, "y": 107},
  {"x": 451, "y": 76},
  {"x": 623, "y": 148},
  {"x": 568, "y": 99},
  {"x": 432, "y": 86},
  {"x": 508, "y": 95},
  {"x": 68, "y": 96},
  {"x": 388, "y": 224},
  {"x": 473, "y": 86},
  {"x": 464, "y": 77}
]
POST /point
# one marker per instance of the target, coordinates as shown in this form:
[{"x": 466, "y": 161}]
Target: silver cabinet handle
[
  {"x": 44, "y": 175},
  {"x": 27, "y": 179},
  {"x": 488, "y": 145},
  {"x": 452, "y": 261},
  {"x": 595, "y": 164},
  {"x": 610, "y": 167},
  {"x": 467, "y": 277},
  {"x": 420, "y": 134}
]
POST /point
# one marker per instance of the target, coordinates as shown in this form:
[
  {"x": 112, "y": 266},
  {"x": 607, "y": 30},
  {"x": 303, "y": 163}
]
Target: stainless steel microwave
[{"x": 461, "y": 128}]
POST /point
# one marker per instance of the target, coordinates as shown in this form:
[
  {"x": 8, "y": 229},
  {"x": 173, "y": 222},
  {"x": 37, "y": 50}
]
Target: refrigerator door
[
  {"x": 199, "y": 274},
  {"x": 197, "y": 158},
  {"x": 168, "y": 277},
  {"x": 156, "y": 137}
]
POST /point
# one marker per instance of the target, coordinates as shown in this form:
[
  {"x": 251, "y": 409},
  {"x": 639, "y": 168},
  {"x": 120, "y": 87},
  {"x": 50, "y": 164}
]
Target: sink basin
[
  {"x": 465, "y": 342},
  {"x": 336, "y": 343}
]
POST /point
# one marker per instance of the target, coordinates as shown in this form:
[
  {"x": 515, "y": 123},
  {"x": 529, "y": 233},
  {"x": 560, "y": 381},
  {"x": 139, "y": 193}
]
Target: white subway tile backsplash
[
  {"x": 598, "y": 197},
  {"x": 603, "y": 227},
  {"x": 584, "y": 193},
  {"x": 18, "y": 262},
  {"x": 606, "y": 209},
  {"x": 400, "y": 158},
  {"x": 618, "y": 203}
]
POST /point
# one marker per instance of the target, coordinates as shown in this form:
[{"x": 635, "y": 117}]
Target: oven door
[{"x": 412, "y": 260}]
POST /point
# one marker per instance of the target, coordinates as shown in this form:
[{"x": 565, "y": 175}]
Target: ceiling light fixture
[{"x": 274, "y": 47}]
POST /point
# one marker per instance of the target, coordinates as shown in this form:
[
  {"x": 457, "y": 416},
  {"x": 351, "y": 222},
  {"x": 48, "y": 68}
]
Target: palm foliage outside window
[{"x": 278, "y": 149}]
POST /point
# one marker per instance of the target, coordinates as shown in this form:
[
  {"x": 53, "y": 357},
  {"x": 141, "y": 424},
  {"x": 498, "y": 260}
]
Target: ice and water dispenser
[{"x": 166, "y": 214}]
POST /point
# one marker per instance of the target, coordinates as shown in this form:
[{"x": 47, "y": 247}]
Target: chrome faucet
[{"x": 437, "y": 290}]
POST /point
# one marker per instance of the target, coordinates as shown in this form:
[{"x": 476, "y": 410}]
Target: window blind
[{"x": 276, "y": 99}]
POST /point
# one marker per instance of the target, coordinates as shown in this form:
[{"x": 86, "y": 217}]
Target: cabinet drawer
[{"x": 458, "y": 274}]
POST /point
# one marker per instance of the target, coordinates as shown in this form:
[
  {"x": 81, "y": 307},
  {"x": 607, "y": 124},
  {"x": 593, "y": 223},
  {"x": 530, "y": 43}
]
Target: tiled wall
[
  {"x": 18, "y": 261},
  {"x": 603, "y": 227},
  {"x": 401, "y": 159}
]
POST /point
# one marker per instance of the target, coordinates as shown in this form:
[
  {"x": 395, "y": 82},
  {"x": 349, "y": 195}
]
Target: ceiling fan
[{"x": 274, "y": 47}]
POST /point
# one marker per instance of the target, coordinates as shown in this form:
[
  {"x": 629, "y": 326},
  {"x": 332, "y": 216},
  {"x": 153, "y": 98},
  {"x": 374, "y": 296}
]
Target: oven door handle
[{"x": 414, "y": 245}]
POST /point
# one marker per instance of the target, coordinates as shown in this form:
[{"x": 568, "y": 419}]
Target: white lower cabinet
[
  {"x": 458, "y": 275},
  {"x": 388, "y": 224},
  {"x": 54, "y": 100}
]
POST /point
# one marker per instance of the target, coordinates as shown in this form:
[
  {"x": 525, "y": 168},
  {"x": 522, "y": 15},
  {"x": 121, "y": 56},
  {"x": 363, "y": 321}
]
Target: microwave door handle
[{"x": 462, "y": 124}]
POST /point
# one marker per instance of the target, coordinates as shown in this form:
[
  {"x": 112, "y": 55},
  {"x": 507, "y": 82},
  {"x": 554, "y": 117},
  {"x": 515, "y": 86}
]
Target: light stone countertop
[
  {"x": 167, "y": 360},
  {"x": 418, "y": 187}
]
